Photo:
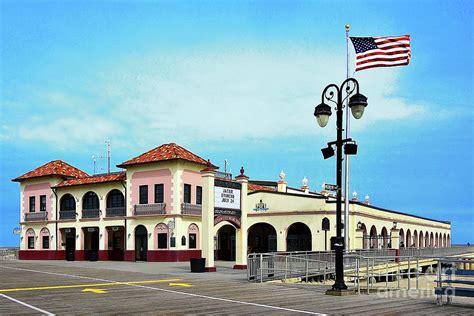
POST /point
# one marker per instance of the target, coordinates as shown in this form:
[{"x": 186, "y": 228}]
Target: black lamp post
[{"x": 357, "y": 104}]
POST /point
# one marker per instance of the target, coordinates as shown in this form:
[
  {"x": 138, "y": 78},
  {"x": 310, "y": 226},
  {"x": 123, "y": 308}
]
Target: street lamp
[{"x": 357, "y": 103}]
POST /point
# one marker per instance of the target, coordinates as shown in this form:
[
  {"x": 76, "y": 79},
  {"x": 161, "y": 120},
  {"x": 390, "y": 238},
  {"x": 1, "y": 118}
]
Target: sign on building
[{"x": 227, "y": 202}]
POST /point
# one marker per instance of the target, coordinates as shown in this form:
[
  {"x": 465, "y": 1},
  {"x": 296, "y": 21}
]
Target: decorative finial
[
  {"x": 367, "y": 199},
  {"x": 354, "y": 195},
  {"x": 242, "y": 171},
  {"x": 282, "y": 176},
  {"x": 208, "y": 164},
  {"x": 348, "y": 27},
  {"x": 305, "y": 181}
]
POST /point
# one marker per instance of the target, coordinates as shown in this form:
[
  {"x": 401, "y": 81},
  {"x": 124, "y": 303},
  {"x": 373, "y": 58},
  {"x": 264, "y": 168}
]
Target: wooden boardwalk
[{"x": 59, "y": 289}]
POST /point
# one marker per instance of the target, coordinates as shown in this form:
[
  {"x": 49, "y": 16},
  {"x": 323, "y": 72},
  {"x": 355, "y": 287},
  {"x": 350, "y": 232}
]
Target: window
[
  {"x": 115, "y": 199},
  {"x": 187, "y": 193},
  {"x": 91, "y": 201},
  {"x": 31, "y": 242},
  {"x": 198, "y": 195},
  {"x": 42, "y": 203},
  {"x": 68, "y": 203},
  {"x": 45, "y": 242},
  {"x": 143, "y": 189},
  {"x": 32, "y": 204},
  {"x": 192, "y": 241},
  {"x": 162, "y": 241},
  {"x": 159, "y": 193}
]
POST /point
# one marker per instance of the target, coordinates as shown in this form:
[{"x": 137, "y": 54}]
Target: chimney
[{"x": 281, "y": 182}]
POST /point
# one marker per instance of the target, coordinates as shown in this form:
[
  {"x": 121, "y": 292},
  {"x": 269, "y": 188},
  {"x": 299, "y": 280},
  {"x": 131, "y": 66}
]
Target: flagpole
[{"x": 346, "y": 165}]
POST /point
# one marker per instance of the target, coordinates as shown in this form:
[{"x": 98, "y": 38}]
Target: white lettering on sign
[{"x": 226, "y": 198}]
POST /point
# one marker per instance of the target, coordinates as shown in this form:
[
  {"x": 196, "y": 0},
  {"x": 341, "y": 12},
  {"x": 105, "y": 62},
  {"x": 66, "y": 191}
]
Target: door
[
  {"x": 70, "y": 244},
  {"x": 141, "y": 243}
]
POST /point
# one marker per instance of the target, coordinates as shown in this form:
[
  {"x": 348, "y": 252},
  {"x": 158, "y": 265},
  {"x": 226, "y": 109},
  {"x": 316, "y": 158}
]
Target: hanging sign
[{"x": 330, "y": 187}]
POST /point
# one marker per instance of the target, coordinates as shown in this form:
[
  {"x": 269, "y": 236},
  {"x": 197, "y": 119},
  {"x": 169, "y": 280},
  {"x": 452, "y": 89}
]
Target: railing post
[
  {"x": 409, "y": 279},
  {"x": 386, "y": 274},
  {"x": 398, "y": 275},
  {"x": 367, "y": 274},
  {"x": 417, "y": 272},
  {"x": 306, "y": 269},
  {"x": 286, "y": 266},
  {"x": 357, "y": 275},
  {"x": 261, "y": 268}
]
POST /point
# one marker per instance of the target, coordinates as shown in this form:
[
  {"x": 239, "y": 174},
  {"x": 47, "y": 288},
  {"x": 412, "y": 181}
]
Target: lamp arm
[
  {"x": 328, "y": 93},
  {"x": 349, "y": 85}
]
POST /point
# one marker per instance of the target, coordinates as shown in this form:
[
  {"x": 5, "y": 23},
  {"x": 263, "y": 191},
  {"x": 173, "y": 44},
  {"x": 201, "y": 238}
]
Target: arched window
[
  {"x": 115, "y": 199},
  {"x": 30, "y": 238},
  {"x": 401, "y": 238},
  {"x": 415, "y": 239},
  {"x": 408, "y": 242},
  {"x": 68, "y": 203},
  {"x": 193, "y": 236},
  {"x": 90, "y": 201},
  {"x": 373, "y": 238},
  {"x": 385, "y": 241},
  {"x": 421, "y": 238},
  {"x": 44, "y": 238},
  {"x": 161, "y": 233}
]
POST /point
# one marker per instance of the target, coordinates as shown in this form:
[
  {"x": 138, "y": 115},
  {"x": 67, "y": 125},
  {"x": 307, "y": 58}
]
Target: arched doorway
[
  {"x": 141, "y": 243},
  {"x": 385, "y": 238},
  {"x": 262, "y": 238},
  {"x": 298, "y": 238},
  {"x": 408, "y": 242},
  {"x": 401, "y": 238},
  {"x": 116, "y": 242},
  {"x": 226, "y": 243},
  {"x": 421, "y": 238},
  {"x": 373, "y": 238},
  {"x": 415, "y": 239},
  {"x": 365, "y": 237}
]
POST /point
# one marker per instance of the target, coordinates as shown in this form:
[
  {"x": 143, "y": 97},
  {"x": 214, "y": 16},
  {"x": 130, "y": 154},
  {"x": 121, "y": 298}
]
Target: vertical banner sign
[{"x": 227, "y": 202}]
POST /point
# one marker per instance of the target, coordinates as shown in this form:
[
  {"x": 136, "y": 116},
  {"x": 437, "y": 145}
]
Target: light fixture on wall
[
  {"x": 394, "y": 225},
  {"x": 149, "y": 235},
  {"x": 129, "y": 235},
  {"x": 359, "y": 225}
]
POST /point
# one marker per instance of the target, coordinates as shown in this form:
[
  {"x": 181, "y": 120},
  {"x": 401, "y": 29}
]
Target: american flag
[{"x": 387, "y": 51}]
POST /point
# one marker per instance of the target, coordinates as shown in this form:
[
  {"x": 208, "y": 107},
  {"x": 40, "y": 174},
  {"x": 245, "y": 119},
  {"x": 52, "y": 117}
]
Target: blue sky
[{"x": 239, "y": 81}]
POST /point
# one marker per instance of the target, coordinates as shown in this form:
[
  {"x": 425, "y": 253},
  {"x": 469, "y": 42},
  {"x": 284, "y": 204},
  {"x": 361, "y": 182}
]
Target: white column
[
  {"x": 207, "y": 238},
  {"x": 241, "y": 234}
]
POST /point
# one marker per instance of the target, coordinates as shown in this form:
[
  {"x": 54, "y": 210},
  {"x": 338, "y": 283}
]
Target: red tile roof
[
  {"x": 99, "y": 178},
  {"x": 53, "y": 168},
  {"x": 162, "y": 153},
  {"x": 256, "y": 187}
]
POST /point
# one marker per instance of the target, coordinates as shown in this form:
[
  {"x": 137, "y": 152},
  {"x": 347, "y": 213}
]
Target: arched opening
[
  {"x": 431, "y": 240},
  {"x": 421, "y": 244},
  {"x": 440, "y": 240},
  {"x": 90, "y": 205},
  {"x": 373, "y": 238},
  {"x": 444, "y": 241},
  {"x": 436, "y": 240},
  {"x": 385, "y": 241},
  {"x": 91, "y": 243},
  {"x": 226, "y": 243},
  {"x": 427, "y": 240},
  {"x": 141, "y": 243},
  {"x": 67, "y": 207},
  {"x": 298, "y": 238},
  {"x": 115, "y": 204},
  {"x": 193, "y": 236},
  {"x": 448, "y": 244},
  {"x": 408, "y": 240},
  {"x": 415, "y": 239},
  {"x": 401, "y": 238},
  {"x": 161, "y": 235},
  {"x": 262, "y": 238},
  {"x": 365, "y": 236},
  {"x": 30, "y": 238},
  {"x": 45, "y": 238}
]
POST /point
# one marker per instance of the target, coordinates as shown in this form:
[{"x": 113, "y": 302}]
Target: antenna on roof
[
  {"x": 94, "y": 161},
  {"x": 225, "y": 165},
  {"x": 108, "y": 156}
]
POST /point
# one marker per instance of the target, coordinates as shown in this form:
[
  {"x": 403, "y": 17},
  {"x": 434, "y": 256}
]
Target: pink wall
[
  {"x": 37, "y": 190},
  {"x": 194, "y": 179},
  {"x": 151, "y": 178}
]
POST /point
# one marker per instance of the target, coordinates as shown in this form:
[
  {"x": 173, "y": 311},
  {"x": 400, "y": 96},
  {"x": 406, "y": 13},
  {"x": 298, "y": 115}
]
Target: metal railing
[
  {"x": 149, "y": 209},
  {"x": 455, "y": 250},
  {"x": 38, "y": 216},
  {"x": 92, "y": 213},
  {"x": 9, "y": 254},
  {"x": 67, "y": 214},
  {"x": 115, "y": 211},
  {"x": 191, "y": 209}
]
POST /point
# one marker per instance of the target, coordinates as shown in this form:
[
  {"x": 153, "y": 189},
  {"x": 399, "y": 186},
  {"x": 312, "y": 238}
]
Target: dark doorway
[
  {"x": 298, "y": 238},
  {"x": 262, "y": 238},
  {"x": 70, "y": 243},
  {"x": 91, "y": 243},
  {"x": 116, "y": 243},
  {"x": 226, "y": 243},
  {"x": 141, "y": 243}
]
